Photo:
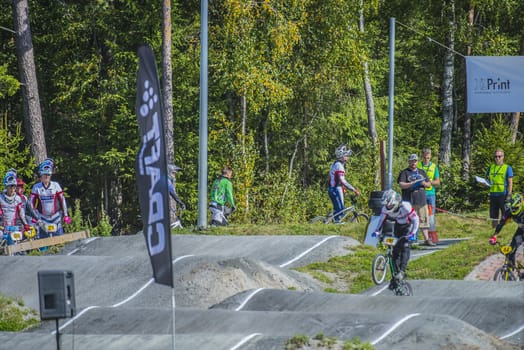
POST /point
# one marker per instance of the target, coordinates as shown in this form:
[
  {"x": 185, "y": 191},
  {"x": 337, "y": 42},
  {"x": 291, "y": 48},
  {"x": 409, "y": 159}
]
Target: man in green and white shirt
[
  {"x": 432, "y": 172},
  {"x": 222, "y": 194}
]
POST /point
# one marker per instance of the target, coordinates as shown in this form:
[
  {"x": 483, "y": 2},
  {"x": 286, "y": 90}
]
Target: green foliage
[
  {"x": 452, "y": 190},
  {"x": 321, "y": 341},
  {"x": 14, "y": 151},
  {"x": 15, "y": 316},
  {"x": 8, "y": 84},
  {"x": 324, "y": 341},
  {"x": 297, "y": 342},
  {"x": 285, "y": 88},
  {"x": 104, "y": 227},
  {"x": 498, "y": 135},
  {"x": 357, "y": 344},
  {"x": 77, "y": 221}
]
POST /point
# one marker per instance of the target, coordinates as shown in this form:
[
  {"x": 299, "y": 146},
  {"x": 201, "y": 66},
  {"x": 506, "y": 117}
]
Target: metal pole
[
  {"x": 173, "y": 306},
  {"x": 57, "y": 334},
  {"x": 202, "y": 152},
  {"x": 391, "y": 99}
]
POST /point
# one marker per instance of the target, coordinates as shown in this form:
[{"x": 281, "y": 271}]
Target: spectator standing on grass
[
  {"x": 171, "y": 186},
  {"x": 413, "y": 182},
  {"x": 48, "y": 200},
  {"x": 337, "y": 181},
  {"x": 432, "y": 172},
  {"x": 500, "y": 179},
  {"x": 222, "y": 194},
  {"x": 514, "y": 209}
]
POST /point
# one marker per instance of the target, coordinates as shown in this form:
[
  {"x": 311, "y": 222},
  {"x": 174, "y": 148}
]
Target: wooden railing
[{"x": 45, "y": 242}]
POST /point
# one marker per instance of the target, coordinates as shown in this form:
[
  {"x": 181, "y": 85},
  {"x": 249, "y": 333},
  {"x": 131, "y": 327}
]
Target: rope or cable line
[
  {"x": 459, "y": 215},
  {"x": 431, "y": 39}
]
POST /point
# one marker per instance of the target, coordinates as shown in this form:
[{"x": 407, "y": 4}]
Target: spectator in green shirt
[{"x": 222, "y": 194}]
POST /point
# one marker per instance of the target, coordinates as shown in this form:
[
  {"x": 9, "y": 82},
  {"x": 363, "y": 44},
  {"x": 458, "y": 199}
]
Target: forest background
[{"x": 289, "y": 81}]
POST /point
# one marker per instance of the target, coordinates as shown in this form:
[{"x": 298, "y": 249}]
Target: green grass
[
  {"x": 15, "y": 316},
  {"x": 351, "y": 273}
]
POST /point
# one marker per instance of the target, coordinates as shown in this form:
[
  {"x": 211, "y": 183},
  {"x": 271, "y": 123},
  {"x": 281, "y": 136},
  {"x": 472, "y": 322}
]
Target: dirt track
[{"x": 239, "y": 293}]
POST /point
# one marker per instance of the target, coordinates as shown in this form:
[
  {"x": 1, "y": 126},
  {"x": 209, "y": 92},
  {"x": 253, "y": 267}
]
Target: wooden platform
[{"x": 45, "y": 242}]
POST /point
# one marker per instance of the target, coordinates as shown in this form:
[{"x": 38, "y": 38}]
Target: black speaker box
[{"x": 57, "y": 294}]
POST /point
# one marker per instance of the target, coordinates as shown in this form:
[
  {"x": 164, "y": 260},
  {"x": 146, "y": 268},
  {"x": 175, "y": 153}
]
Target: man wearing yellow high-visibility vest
[
  {"x": 433, "y": 175},
  {"x": 500, "y": 178}
]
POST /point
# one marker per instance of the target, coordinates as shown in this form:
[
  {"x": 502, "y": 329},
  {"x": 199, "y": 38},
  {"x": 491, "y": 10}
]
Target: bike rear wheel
[
  {"x": 404, "y": 289},
  {"x": 318, "y": 219},
  {"x": 503, "y": 274},
  {"x": 379, "y": 269}
]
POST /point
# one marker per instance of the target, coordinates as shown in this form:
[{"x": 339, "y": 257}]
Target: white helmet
[
  {"x": 391, "y": 200},
  {"x": 172, "y": 168},
  {"x": 342, "y": 151}
]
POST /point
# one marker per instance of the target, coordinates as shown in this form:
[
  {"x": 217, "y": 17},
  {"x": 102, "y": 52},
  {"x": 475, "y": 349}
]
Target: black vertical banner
[{"x": 151, "y": 168}]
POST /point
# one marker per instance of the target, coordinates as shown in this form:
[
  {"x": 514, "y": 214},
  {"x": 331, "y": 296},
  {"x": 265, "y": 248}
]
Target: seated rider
[
  {"x": 12, "y": 212},
  {"x": 48, "y": 200},
  {"x": 30, "y": 214},
  {"x": 513, "y": 209},
  {"x": 406, "y": 226}
]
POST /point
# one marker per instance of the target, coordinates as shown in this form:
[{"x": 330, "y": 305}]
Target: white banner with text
[{"x": 495, "y": 84}]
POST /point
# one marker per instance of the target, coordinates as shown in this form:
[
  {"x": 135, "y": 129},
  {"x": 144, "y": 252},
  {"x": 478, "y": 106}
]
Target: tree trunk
[
  {"x": 243, "y": 106},
  {"x": 447, "y": 92},
  {"x": 26, "y": 62},
  {"x": 466, "y": 132},
  {"x": 372, "y": 131},
  {"x": 167, "y": 79},
  {"x": 266, "y": 144}
]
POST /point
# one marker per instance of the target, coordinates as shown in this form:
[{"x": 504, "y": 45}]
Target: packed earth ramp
[{"x": 240, "y": 292}]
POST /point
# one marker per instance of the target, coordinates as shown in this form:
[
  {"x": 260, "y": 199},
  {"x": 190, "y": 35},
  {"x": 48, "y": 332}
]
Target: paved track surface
[{"x": 240, "y": 293}]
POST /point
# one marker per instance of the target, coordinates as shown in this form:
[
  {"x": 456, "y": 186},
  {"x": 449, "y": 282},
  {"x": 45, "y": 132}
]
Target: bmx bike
[
  {"x": 508, "y": 272},
  {"x": 349, "y": 214},
  {"x": 383, "y": 261}
]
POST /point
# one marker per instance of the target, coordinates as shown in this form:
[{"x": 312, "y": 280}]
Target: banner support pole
[
  {"x": 391, "y": 100},
  {"x": 203, "y": 129}
]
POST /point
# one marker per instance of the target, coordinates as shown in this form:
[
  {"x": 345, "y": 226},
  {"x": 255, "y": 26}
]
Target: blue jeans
[{"x": 337, "y": 198}]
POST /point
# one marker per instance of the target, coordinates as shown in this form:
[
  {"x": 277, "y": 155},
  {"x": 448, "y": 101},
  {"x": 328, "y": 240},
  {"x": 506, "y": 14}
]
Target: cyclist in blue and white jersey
[
  {"x": 12, "y": 212},
  {"x": 338, "y": 182},
  {"x": 47, "y": 198}
]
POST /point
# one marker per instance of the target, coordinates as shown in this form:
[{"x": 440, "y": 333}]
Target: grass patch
[
  {"x": 353, "y": 230},
  {"x": 15, "y": 316},
  {"x": 352, "y": 273},
  {"x": 320, "y": 341}
]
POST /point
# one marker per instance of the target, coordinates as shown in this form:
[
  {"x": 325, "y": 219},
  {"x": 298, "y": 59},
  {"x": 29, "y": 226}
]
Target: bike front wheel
[
  {"x": 503, "y": 274},
  {"x": 359, "y": 217},
  {"x": 379, "y": 269}
]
